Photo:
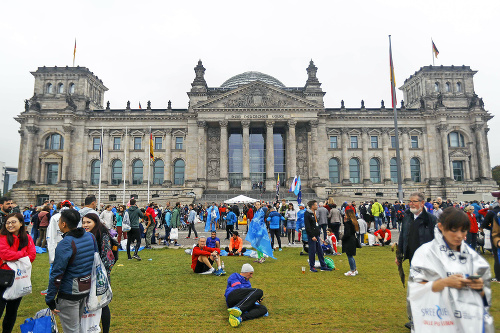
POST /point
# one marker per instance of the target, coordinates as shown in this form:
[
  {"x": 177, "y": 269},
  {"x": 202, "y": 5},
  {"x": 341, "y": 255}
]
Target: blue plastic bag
[{"x": 39, "y": 325}]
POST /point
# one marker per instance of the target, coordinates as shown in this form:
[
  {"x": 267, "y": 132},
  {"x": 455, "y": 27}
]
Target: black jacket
[
  {"x": 349, "y": 239},
  {"x": 311, "y": 225},
  {"x": 489, "y": 218},
  {"x": 415, "y": 232}
]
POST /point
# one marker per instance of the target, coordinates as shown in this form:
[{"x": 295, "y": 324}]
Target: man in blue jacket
[
  {"x": 70, "y": 277},
  {"x": 274, "y": 220},
  {"x": 231, "y": 220},
  {"x": 243, "y": 301}
]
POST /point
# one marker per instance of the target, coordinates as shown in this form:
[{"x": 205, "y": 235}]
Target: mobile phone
[{"x": 474, "y": 277}]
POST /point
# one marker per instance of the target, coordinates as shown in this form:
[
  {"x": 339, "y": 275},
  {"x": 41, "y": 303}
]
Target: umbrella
[{"x": 399, "y": 257}]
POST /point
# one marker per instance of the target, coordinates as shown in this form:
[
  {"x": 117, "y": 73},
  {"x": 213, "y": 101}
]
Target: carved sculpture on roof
[
  {"x": 382, "y": 104},
  {"x": 256, "y": 98},
  {"x": 362, "y": 104},
  {"x": 71, "y": 103},
  {"x": 439, "y": 102},
  {"x": 213, "y": 153},
  {"x": 342, "y": 104},
  {"x": 128, "y": 105}
]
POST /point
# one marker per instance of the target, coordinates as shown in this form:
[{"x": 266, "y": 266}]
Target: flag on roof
[{"x": 434, "y": 49}]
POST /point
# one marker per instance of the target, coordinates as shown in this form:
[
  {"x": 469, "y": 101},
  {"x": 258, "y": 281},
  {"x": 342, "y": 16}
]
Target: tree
[{"x": 496, "y": 174}]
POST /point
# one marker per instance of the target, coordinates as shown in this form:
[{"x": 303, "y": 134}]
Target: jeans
[
  {"x": 315, "y": 247},
  {"x": 42, "y": 238},
  {"x": 378, "y": 222},
  {"x": 352, "y": 263},
  {"x": 323, "y": 227},
  {"x": 361, "y": 238},
  {"x": 191, "y": 227},
  {"x": 167, "y": 233}
]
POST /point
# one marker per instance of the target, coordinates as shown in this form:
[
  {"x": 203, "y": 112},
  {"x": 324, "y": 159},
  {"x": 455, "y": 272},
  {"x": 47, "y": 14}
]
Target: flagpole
[
  {"x": 125, "y": 164},
  {"x": 100, "y": 169},
  {"x": 398, "y": 155},
  {"x": 149, "y": 161}
]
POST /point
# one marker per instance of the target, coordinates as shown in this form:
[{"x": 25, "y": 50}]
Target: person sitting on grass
[
  {"x": 213, "y": 241},
  {"x": 203, "y": 257},
  {"x": 329, "y": 245},
  {"x": 383, "y": 235},
  {"x": 243, "y": 301},
  {"x": 235, "y": 247}
]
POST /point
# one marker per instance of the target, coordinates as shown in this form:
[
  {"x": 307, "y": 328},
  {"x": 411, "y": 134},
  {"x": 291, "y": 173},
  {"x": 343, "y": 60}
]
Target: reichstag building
[{"x": 242, "y": 135}]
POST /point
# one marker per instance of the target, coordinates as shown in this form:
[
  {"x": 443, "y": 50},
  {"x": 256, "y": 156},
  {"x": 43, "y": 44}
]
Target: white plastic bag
[
  {"x": 174, "y": 233},
  {"x": 126, "y": 223},
  {"x": 90, "y": 320},
  {"x": 22, "y": 282},
  {"x": 487, "y": 239},
  {"x": 100, "y": 290}
]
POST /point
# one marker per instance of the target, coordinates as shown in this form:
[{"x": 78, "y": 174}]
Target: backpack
[{"x": 329, "y": 262}]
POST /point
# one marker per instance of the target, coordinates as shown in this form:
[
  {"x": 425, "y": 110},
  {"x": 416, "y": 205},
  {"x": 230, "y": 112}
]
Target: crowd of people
[{"x": 72, "y": 235}]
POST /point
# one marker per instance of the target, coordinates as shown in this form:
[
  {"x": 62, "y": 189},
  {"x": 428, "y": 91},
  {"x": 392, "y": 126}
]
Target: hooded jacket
[
  {"x": 274, "y": 219},
  {"x": 134, "y": 213}
]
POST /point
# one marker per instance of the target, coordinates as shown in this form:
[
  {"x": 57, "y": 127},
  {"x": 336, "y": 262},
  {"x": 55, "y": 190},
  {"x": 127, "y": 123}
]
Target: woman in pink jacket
[{"x": 15, "y": 244}]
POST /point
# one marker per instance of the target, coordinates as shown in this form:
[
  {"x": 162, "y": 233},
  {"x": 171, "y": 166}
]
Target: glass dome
[{"x": 248, "y": 77}]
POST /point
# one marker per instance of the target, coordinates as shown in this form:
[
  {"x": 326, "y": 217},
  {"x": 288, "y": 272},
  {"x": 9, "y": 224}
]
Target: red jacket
[
  {"x": 43, "y": 217},
  {"x": 473, "y": 223},
  {"x": 197, "y": 251},
  {"x": 249, "y": 215},
  {"x": 10, "y": 253}
]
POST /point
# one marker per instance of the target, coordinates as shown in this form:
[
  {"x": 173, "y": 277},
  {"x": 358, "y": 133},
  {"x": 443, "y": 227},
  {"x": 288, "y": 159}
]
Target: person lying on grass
[
  {"x": 203, "y": 257},
  {"x": 243, "y": 301}
]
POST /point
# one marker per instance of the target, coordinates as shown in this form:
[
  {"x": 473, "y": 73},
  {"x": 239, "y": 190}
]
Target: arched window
[
  {"x": 415, "y": 169},
  {"x": 71, "y": 88},
  {"x": 158, "y": 170},
  {"x": 394, "y": 170},
  {"x": 375, "y": 170},
  {"x": 458, "y": 170},
  {"x": 48, "y": 88},
  {"x": 60, "y": 88},
  {"x": 116, "y": 172},
  {"x": 459, "y": 87},
  {"x": 179, "y": 172},
  {"x": 447, "y": 87},
  {"x": 54, "y": 142},
  {"x": 436, "y": 87},
  {"x": 354, "y": 172},
  {"x": 456, "y": 139},
  {"x": 94, "y": 172},
  {"x": 137, "y": 172},
  {"x": 333, "y": 170}
]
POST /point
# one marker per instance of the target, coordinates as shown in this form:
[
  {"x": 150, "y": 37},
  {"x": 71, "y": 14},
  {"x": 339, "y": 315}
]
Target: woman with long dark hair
[
  {"x": 349, "y": 242},
  {"x": 15, "y": 244},
  {"x": 91, "y": 223}
]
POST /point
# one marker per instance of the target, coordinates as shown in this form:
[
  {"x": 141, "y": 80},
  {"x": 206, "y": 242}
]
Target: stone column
[
  {"x": 223, "y": 181},
  {"x": 27, "y": 165},
  {"x": 85, "y": 154},
  {"x": 467, "y": 170},
  {"x": 314, "y": 145},
  {"x": 442, "y": 129},
  {"x": 65, "y": 172},
  {"x": 365, "y": 159},
  {"x": 481, "y": 150},
  {"x": 202, "y": 151},
  {"x": 292, "y": 150},
  {"x": 345, "y": 159},
  {"x": 386, "y": 158},
  {"x": 168, "y": 158},
  {"x": 245, "y": 181},
  {"x": 426, "y": 155},
  {"x": 23, "y": 150},
  {"x": 406, "y": 154},
  {"x": 270, "y": 181},
  {"x": 489, "y": 172}
]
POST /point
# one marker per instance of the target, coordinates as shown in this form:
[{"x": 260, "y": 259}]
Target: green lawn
[{"x": 164, "y": 295}]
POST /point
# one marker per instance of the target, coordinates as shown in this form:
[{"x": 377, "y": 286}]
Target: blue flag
[{"x": 297, "y": 187}]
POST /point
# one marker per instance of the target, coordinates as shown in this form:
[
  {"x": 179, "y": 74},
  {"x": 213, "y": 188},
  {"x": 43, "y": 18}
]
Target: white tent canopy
[{"x": 240, "y": 199}]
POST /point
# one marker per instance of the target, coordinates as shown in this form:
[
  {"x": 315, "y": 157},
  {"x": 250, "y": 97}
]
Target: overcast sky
[{"x": 146, "y": 50}]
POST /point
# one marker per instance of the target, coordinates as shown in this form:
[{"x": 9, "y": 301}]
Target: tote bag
[
  {"x": 174, "y": 233},
  {"x": 100, "y": 290},
  {"x": 90, "y": 320},
  {"x": 126, "y": 223},
  {"x": 22, "y": 281}
]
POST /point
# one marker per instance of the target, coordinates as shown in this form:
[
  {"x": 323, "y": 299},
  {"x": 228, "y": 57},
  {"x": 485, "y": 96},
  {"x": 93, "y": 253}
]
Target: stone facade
[{"x": 340, "y": 152}]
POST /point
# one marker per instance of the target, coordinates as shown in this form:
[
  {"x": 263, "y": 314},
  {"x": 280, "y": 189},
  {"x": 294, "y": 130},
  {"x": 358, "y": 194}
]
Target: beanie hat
[{"x": 246, "y": 268}]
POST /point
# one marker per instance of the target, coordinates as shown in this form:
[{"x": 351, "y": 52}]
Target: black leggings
[
  {"x": 229, "y": 230},
  {"x": 133, "y": 235},
  {"x": 291, "y": 234},
  {"x": 105, "y": 319},
  {"x": 11, "y": 306},
  {"x": 191, "y": 227},
  {"x": 277, "y": 233},
  {"x": 245, "y": 299}
]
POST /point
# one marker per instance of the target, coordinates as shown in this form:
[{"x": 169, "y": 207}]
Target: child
[{"x": 330, "y": 243}]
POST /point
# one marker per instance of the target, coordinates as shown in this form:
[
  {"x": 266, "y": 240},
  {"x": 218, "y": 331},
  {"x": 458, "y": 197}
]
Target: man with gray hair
[
  {"x": 203, "y": 257},
  {"x": 243, "y": 301},
  {"x": 417, "y": 228}
]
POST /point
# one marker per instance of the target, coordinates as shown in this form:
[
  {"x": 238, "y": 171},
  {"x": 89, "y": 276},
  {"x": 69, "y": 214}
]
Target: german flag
[
  {"x": 393, "y": 79},
  {"x": 151, "y": 147},
  {"x": 140, "y": 107},
  {"x": 434, "y": 49}
]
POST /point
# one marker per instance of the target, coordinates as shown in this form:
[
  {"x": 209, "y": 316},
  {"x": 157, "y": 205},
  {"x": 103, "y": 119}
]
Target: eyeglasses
[
  {"x": 11, "y": 223},
  {"x": 415, "y": 201}
]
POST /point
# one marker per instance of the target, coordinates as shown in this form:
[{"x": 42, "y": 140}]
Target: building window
[
  {"x": 279, "y": 150},
  {"x": 158, "y": 142},
  {"x": 94, "y": 172},
  {"x": 179, "y": 172},
  {"x": 447, "y": 86},
  {"x": 96, "y": 143},
  {"x": 137, "y": 143},
  {"x": 436, "y": 87},
  {"x": 54, "y": 142},
  {"x": 116, "y": 172},
  {"x": 72, "y": 88},
  {"x": 112, "y": 197},
  {"x": 137, "y": 172},
  {"x": 354, "y": 171},
  {"x": 257, "y": 162},
  {"x": 414, "y": 141},
  {"x": 48, "y": 88},
  {"x": 52, "y": 173},
  {"x": 333, "y": 170},
  {"x": 158, "y": 171},
  {"x": 117, "y": 143},
  {"x": 394, "y": 170},
  {"x": 459, "y": 87},
  {"x": 333, "y": 142},
  {"x": 374, "y": 141},
  {"x": 458, "y": 170},
  {"x": 354, "y": 141},
  {"x": 393, "y": 141},
  {"x": 415, "y": 169},
  {"x": 235, "y": 157},
  {"x": 456, "y": 140},
  {"x": 375, "y": 170},
  {"x": 60, "y": 88},
  {"x": 178, "y": 142}
]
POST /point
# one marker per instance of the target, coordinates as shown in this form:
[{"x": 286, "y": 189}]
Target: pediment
[
  {"x": 179, "y": 132},
  {"x": 460, "y": 153},
  {"x": 50, "y": 156},
  {"x": 257, "y": 94}
]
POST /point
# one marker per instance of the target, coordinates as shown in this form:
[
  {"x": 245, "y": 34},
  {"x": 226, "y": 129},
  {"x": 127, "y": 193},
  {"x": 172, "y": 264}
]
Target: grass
[{"x": 164, "y": 295}]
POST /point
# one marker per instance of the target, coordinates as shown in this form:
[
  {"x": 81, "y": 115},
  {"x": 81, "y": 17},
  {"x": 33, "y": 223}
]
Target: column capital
[
  {"x": 32, "y": 129},
  {"x": 424, "y": 130},
  {"x": 442, "y": 128},
  {"x": 68, "y": 129},
  {"x": 291, "y": 123},
  {"x": 405, "y": 130},
  {"x": 223, "y": 123},
  {"x": 344, "y": 130},
  {"x": 314, "y": 123},
  {"x": 200, "y": 123},
  {"x": 486, "y": 130},
  {"x": 21, "y": 133},
  {"x": 365, "y": 130},
  {"x": 269, "y": 123},
  {"x": 476, "y": 127},
  {"x": 385, "y": 130},
  {"x": 245, "y": 123},
  {"x": 169, "y": 130}
]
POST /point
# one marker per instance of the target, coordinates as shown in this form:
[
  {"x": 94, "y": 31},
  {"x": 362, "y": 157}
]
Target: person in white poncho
[{"x": 449, "y": 284}]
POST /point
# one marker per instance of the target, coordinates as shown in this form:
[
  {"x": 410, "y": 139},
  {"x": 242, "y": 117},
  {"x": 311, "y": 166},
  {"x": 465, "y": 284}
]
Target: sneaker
[
  {"x": 44, "y": 292},
  {"x": 177, "y": 244},
  {"x": 289, "y": 244},
  {"x": 326, "y": 269},
  {"x": 280, "y": 249},
  {"x": 350, "y": 273},
  {"x": 234, "y": 321},
  {"x": 261, "y": 261},
  {"x": 210, "y": 271},
  {"x": 136, "y": 256},
  {"x": 356, "y": 272},
  {"x": 217, "y": 272},
  {"x": 408, "y": 325},
  {"x": 196, "y": 238},
  {"x": 236, "y": 311},
  {"x": 314, "y": 270},
  {"x": 188, "y": 237}
]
